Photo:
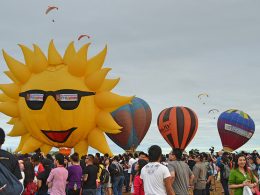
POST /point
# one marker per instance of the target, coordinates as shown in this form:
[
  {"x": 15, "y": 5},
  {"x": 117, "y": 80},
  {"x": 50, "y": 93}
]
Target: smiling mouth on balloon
[{"x": 58, "y": 136}]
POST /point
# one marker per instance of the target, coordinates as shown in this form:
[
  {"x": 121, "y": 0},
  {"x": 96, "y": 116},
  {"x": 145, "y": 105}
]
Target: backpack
[
  {"x": 104, "y": 176},
  {"x": 30, "y": 189},
  {"x": 226, "y": 171},
  {"x": 116, "y": 169},
  {"x": 9, "y": 184}
]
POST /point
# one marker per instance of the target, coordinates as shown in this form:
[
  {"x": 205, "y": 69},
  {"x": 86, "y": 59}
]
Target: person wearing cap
[{"x": 7, "y": 159}]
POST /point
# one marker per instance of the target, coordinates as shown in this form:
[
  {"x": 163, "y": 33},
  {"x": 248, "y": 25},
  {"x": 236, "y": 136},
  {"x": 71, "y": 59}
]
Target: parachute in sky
[
  {"x": 235, "y": 128},
  {"x": 213, "y": 112},
  {"x": 178, "y": 126},
  {"x": 81, "y": 36},
  {"x": 135, "y": 120},
  {"x": 50, "y": 8},
  {"x": 203, "y": 97}
]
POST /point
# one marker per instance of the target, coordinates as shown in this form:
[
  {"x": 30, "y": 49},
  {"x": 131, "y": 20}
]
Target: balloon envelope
[
  {"x": 65, "y": 151},
  {"x": 135, "y": 120},
  {"x": 178, "y": 126},
  {"x": 235, "y": 128}
]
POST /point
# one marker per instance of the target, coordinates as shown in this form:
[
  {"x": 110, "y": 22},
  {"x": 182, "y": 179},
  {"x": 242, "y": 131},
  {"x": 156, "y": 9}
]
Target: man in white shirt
[{"x": 156, "y": 177}]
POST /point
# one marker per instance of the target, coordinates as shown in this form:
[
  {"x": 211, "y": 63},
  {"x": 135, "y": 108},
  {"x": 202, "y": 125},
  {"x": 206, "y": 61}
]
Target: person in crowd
[
  {"x": 200, "y": 175},
  {"x": 124, "y": 163},
  {"x": 142, "y": 156},
  {"x": 258, "y": 165},
  {"x": 90, "y": 176},
  {"x": 108, "y": 186},
  {"x": 67, "y": 162},
  {"x": 43, "y": 176},
  {"x": 240, "y": 176},
  {"x": 251, "y": 162},
  {"x": 74, "y": 175},
  {"x": 132, "y": 160},
  {"x": 224, "y": 168},
  {"x": 21, "y": 166},
  {"x": 99, "y": 164},
  {"x": 210, "y": 171},
  {"x": 171, "y": 157},
  {"x": 97, "y": 156},
  {"x": 181, "y": 174},
  {"x": 7, "y": 159},
  {"x": 58, "y": 177},
  {"x": 164, "y": 161},
  {"x": 83, "y": 162},
  {"x": 138, "y": 182},
  {"x": 29, "y": 175},
  {"x": 191, "y": 161},
  {"x": 117, "y": 176},
  {"x": 218, "y": 160},
  {"x": 38, "y": 167},
  {"x": 156, "y": 177}
]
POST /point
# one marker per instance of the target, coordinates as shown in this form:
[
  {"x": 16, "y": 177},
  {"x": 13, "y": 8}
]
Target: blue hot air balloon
[
  {"x": 235, "y": 128},
  {"x": 135, "y": 120}
]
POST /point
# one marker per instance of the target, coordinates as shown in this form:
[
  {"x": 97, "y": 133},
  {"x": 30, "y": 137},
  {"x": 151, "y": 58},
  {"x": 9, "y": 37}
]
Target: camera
[{"x": 211, "y": 150}]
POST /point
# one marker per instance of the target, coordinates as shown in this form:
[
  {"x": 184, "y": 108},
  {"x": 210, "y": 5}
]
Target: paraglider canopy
[
  {"x": 213, "y": 112},
  {"x": 50, "y": 8},
  {"x": 81, "y": 36},
  {"x": 202, "y": 97}
]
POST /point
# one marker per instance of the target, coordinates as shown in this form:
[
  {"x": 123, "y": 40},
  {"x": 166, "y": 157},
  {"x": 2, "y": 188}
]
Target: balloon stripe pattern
[
  {"x": 178, "y": 126},
  {"x": 135, "y": 120},
  {"x": 235, "y": 128},
  {"x": 193, "y": 126}
]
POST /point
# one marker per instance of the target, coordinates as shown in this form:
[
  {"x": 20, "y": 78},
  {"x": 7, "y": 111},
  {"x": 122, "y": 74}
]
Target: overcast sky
[{"x": 166, "y": 52}]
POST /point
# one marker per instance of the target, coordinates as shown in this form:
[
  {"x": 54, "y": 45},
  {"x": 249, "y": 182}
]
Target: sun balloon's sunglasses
[{"x": 68, "y": 99}]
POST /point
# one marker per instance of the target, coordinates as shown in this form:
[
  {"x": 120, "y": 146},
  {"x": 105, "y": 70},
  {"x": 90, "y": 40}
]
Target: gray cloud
[{"x": 166, "y": 52}]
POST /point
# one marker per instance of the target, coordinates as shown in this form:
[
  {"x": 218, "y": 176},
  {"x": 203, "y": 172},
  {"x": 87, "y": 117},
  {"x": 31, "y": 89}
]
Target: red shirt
[
  {"x": 138, "y": 186},
  {"x": 38, "y": 169}
]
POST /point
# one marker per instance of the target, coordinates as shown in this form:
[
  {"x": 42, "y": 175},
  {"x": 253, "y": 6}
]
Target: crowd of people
[{"x": 139, "y": 173}]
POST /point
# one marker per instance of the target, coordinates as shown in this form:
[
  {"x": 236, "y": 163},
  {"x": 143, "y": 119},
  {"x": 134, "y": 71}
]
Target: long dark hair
[
  {"x": 236, "y": 161},
  {"x": 141, "y": 164},
  {"x": 28, "y": 172}
]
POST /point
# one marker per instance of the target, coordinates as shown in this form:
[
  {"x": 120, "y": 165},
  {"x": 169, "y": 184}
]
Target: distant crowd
[{"x": 139, "y": 173}]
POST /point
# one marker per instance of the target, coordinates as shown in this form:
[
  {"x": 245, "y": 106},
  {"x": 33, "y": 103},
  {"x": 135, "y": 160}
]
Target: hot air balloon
[
  {"x": 178, "y": 126},
  {"x": 65, "y": 151},
  {"x": 135, "y": 120},
  {"x": 235, "y": 128}
]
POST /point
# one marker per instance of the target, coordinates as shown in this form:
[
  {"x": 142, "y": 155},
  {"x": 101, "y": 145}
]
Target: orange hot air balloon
[
  {"x": 178, "y": 126},
  {"x": 65, "y": 151}
]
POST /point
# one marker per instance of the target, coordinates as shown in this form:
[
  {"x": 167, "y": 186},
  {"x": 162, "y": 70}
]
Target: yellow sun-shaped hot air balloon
[{"x": 60, "y": 101}]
